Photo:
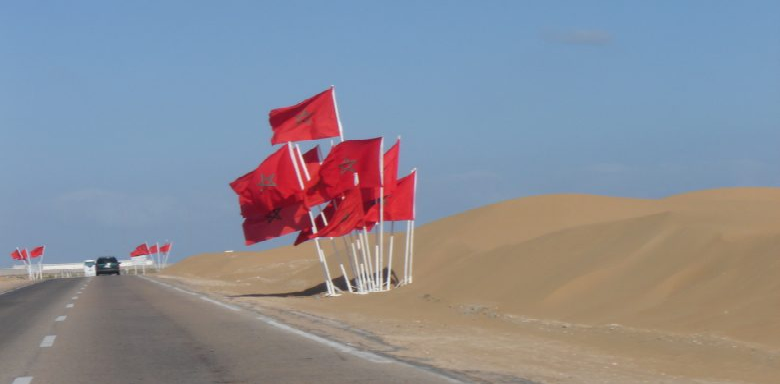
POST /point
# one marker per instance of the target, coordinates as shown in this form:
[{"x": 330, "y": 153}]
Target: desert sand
[
  {"x": 8, "y": 283},
  {"x": 553, "y": 289}
]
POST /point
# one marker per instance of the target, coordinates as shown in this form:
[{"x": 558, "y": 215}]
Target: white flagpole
[
  {"x": 170, "y": 246},
  {"x": 338, "y": 119},
  {"x": 26, "y": 263},
  {"x": 390, "y": 254},
  {"x": 407, "y": 239},
  {"x": 381, "y": 210},
  {"x": 40, "y": 263},
  {"x": 320, "y": 254},
  {"x": 411, "y": 242}
]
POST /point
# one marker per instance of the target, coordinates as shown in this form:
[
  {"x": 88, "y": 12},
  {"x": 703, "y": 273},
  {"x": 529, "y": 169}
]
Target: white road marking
[
  {"x": 69, "y": 306},
  {"x": 23, "y": 380},
  {"x": 75, "y": 298},
  {"x": 336, "y": 345},
  {"x": 61, "y": 318},
  {"x": 341, "y": 347},
  {"x": 230, "y": 307},
  {"x": 48, "y": 341}
]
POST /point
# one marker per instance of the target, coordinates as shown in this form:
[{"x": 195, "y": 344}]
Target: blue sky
[{"x": 124, "y": 122}]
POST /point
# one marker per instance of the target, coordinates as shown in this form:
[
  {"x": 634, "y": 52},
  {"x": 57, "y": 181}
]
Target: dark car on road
[{"x": 107, "y": 265}]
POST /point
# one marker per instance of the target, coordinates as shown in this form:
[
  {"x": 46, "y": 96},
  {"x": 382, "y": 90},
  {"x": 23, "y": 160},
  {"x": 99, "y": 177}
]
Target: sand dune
[{"x": 698, "y": 263}]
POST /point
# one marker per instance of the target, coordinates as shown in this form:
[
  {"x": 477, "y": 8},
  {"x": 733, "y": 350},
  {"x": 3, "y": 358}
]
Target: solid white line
[
  {"x": 230, "y": 307},
  {"x": 23, "y": 380},
  {"x": 48, "y": 341},
  {"x": 61, "y": 318},
  {"x": 69, "y": 306},
  {"x": 341, "y": 347}
]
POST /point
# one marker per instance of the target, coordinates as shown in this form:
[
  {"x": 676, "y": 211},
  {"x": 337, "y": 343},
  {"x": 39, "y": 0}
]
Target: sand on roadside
[{"x": 555, "y": 289}]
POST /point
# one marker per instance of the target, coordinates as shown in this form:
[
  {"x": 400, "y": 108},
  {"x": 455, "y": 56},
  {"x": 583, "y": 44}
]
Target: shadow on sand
[{"x": 319, "y": 288}]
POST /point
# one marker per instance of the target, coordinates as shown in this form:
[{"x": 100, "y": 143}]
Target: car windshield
[
  {"x": 104, "y": 260},
  {"x": 89, "y": 264}
]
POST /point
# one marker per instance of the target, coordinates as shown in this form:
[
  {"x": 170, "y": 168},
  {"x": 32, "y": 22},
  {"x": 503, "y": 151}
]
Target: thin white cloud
[{"x": 578, "y": 37}]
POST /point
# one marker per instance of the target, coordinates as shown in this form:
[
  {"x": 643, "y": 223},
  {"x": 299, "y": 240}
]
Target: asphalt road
[{"x": 124, "y": 329}]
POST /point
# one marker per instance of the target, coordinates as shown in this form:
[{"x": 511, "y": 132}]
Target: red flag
[
  {"x": 324, "y": 217},
  {"x": 389, "y": 174},
  {"x": 165, "y": 248},
  {"x": 271, "y": 185},
  {"x": 37, "y": 251},
  {"x": 337, "y": 172},
  {"x": 24, "y": 254},
  {"x": 277, "y": 222},
  {"x": 311, "y": 119},
  {"x": 140, "y": 250},
  {"x": 312, "y": 160},
  {"x": 153, "y": 249},
  {"x": 398, "y": 205},
  {"x": 347, "y": 217},
  {"x": 16, "y": 255}
]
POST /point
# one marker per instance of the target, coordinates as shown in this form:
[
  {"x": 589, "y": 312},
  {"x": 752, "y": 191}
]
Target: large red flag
[
  {"x": 16, "y": 255},
  {"x": 153, "y": 249},
  {"x": 347, "y": 217},
  {"x": 277, "y": 222},
  {"x": 399, "y": 204},
  {"x": 141, "y": 250},
  {"x": 165, "y": 248},
  {"x": 337, "y": 172},
  {"x": 37, "y": 251},
  {"x": 389, "y": 174},
  {"x": 272, "y": 185},
  {"x": 24, "y": 254},
  {"x": 311, "y": 119}
]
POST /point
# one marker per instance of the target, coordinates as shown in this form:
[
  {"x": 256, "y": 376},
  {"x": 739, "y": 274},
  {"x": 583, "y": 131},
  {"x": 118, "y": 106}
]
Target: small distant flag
[
  {"x": 141, "y": 250},
  {"x": 37, "y": 251}
]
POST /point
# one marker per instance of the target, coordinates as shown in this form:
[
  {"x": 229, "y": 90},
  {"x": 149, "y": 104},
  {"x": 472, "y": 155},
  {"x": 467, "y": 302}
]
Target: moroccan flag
[
  {"x": 272, "y": 185},
  {"x": 140, "y": 250},
  {"x": 311, "y": 119},
  {"x": 337, "y": 172},
  {"x": 324, "y": 217},
  {"x": 24, "y": 254},
  {"x": 16, "y": 255},
  {"x": 277, "y": 222},
  {"x": 347, "y": 217},
  {"x": 165, "y": 248},
  {"x": 37, "y": 251},
  {"x": 389, "y": 174},
  {"x": 399, "y": 204},
  {"x": 312, "y": 160},
  {"x": 153, "y": 249}
]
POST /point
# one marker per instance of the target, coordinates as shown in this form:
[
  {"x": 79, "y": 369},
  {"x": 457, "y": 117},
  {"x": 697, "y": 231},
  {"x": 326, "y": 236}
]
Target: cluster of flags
[
  {"x": 352, "y": 190},
  {"x": 158, "y": 252},
  {"x": 25, "y": 257}
]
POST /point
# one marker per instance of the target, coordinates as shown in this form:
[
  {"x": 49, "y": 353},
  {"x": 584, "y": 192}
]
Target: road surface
[{"x": 127, "y": 329}]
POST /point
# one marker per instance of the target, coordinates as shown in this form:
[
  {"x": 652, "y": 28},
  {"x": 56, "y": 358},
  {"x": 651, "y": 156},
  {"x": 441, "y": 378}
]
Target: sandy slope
[{"x": 683, "y": 287}]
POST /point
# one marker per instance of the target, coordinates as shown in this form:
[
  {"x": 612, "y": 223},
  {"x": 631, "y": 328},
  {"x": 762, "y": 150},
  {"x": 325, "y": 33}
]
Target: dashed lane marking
[
  {"x": 23, "y": 380},
  {"x": 61, "y": 318},
  {"x": 69, "y": 306},
  {"x": 48, "y": 341}
]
